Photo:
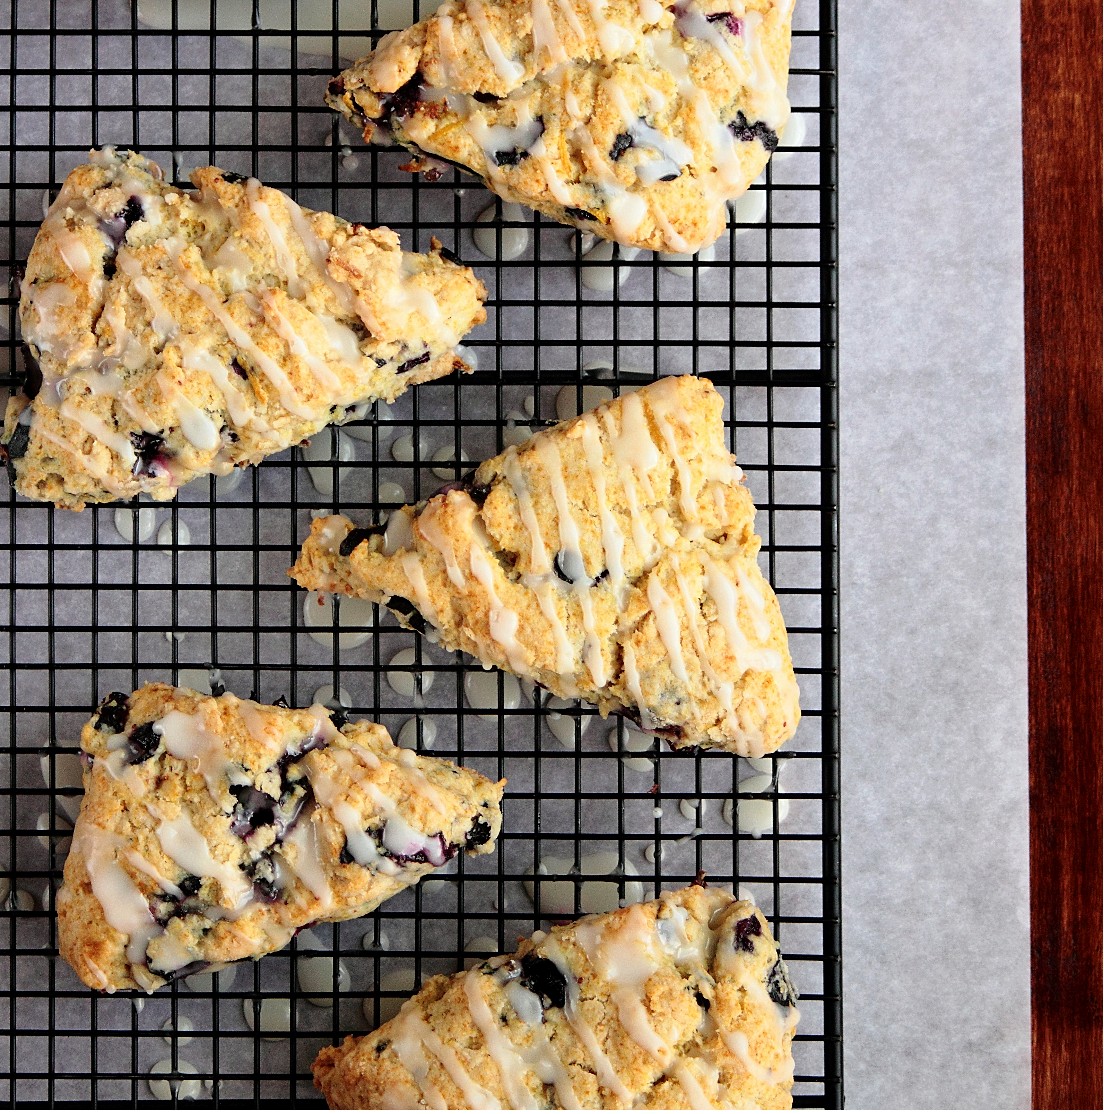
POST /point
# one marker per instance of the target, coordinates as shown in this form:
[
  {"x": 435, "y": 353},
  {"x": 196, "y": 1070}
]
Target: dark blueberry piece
[
  {"x": 189, "y": 885},
  {"x": 702, "y": 1000},
  {"x": 338, "y": 719},
  {"x": 564, "y": 563},
  {"x": 671, "y": 177},
  {"x": 111, "y": 715},
  {"x": 360, "y": 331},
  {"x": 148, "y": 447},
  {"x": 621, "y": 143},
  {"x": 115, "y": 228},
  {"x": 17, "y": 445},
  {"x": 266, "y": 883},
  {"x": 237, "y": 369},
  {"x": 545, "y": 980},
  {"x": 382, "y": 1047},
  {"x": 295, "y": 792},
  {"x": 413, "y": 363},
  {"x": 746, "y": 132},
  {"x": 346, "y": 856},
  {"x": 281, "y": 702},
  {"x": 217, "y": 687},
  {"x": 133, "y": 212},
  {"x": 779, "y": 986},
  {"x": 293, "y": 754},
  {"x": 254, "y": 810},
  {"x": 509, "y": 157},
  {"x": 380, "y": 361},
  {"x": 109, "y": 267},
  {"x": 357, "y": 537},
  {"x": 232, "y": 177},
  {"x": 478, "y": 834},
  {"x": 744, "y": 931},
  {"x": 446, "y": 850},
  {"x": 143, "y": 743},
  {"x": 403, "y": 101},
  {"x": 486, "y": 98},
  {"x": 732, "y": 23},
  {"x": 579, "y": 214},
  {"x": 335, "y": 86},
  {"x": 32, "y": 374},
  {"x": 181, "y": 972},
  {"x": 479, "y": 493},
  {"x": 451, "y": 256},
  {"x": 410, "y": 615}
]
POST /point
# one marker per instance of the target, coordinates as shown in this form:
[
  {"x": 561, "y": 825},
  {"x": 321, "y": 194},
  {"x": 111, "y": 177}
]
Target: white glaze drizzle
[
  {"x": 189, "y": 849},
  {"x": 289, "y": 397},
  {"x": 670, "y": 630},
  {"x": 509, "y": 71},
  {"x": 604, "y": 1070},
  {"x": 502, "y": 622},
  {"x": 429, "y": 527},
  {"x": 284, "y": 255},
  {"x": 415, "y": 575},
  {"x": 539, "y": 562},
  {"x": 512, "y": 1069},
  {"x": 549, "y": 456},
  {"x": 124, "y": 906}
]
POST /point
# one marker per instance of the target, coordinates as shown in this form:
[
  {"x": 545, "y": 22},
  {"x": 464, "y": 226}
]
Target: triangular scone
[
  {"x": 679, "y": 1003},
  {"x": 181, "y": 333},
  {"x": 212, "y": 829},
  {"x": 612, "y": 557},
  {"x": 636, "y": 120}
]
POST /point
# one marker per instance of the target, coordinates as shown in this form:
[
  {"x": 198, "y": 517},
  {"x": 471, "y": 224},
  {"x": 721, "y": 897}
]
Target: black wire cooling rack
[{"x": 201, "y": 583}]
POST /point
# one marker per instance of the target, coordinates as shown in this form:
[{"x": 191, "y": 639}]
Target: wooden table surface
[{"x": 1062, "y": 302}]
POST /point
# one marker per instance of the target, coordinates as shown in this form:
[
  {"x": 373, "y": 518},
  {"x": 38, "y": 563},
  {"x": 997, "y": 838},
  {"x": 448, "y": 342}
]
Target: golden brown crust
[
  {"x": 612, "y": 557},
  {"x": 182, "y": 333},
  {"x": 678, "y": 1003},
  {"x": 212, "y": 829}
]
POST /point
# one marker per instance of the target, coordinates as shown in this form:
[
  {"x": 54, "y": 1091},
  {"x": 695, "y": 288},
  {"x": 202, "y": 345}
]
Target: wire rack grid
[{"x": 117, "y": 596}]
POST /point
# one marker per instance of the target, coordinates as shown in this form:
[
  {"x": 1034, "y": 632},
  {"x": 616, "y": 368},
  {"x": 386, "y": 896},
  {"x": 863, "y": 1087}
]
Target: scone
[
  {"x": 679, "y": 1003},
  {"x": 212, "y": 829},
  {"x": 611, "y": 557},
  {"x": 175, "y": 334},
  {"x": 636, "y": 120}
]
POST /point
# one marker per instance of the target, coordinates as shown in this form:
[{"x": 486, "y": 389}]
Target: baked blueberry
[
  {"x": 111, "y": 716},
  {"x": 544, "y": 979}
]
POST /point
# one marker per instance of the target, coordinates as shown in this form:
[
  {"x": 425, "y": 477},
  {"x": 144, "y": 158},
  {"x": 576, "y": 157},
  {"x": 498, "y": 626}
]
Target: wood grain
[{"x": 1063, "y": 310}]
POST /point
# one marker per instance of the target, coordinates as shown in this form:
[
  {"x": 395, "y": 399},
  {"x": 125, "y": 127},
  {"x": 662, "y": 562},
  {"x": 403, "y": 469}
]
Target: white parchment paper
[{"x": 932, "y": 542}]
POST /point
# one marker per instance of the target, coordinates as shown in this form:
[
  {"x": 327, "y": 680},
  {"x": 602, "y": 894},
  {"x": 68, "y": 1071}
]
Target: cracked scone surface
[
  {"x": 679, "y": 1003},
  {"x": 178, "y": 333},
  {"x": 636, "y": 120},
  {"x": 212, "y": 829},
  {"x": 612, "y": 557}
]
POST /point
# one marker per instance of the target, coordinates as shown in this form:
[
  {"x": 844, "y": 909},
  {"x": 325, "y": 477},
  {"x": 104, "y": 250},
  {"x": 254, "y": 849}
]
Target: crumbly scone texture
[
  {"x": 636, "y": 120},
  {"x": 173, "y": 333},
  {"x": 212, "y": 829},
  {"x": 611, "y": 557},
  {"x": 679, "y": 1003}
]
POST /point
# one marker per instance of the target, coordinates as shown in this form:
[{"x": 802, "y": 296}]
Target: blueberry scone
[
  {"x": 611, "y": 557},
  {"x": 636, "y": 120},
  {"x": 679, "y": 1003},
  {"x": 212, "y": 829},
  {"x": 179, "y": 333}
]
